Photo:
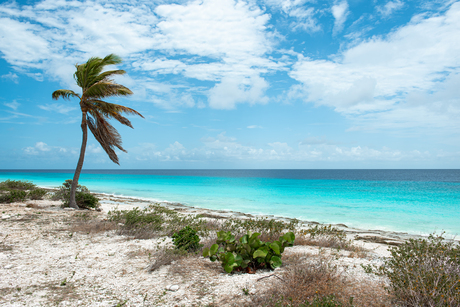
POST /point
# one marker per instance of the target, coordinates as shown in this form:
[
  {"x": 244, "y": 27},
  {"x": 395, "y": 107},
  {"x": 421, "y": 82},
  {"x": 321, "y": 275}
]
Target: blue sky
[{"x": 239, "y": 84}]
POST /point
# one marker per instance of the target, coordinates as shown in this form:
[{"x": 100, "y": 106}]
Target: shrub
[
  {"x": 249, "y": 252},
  {"x": 425, "y": 272},
  {"x": 325, "y": 236},
  {"x": 86, "y": 200},
  {"x": 36, "y": 194},
  {"x": 269, "y": 228},
  {"x": 11, "y": 196},
  {"x": 83, "y": 196},
  {"x": 153, "y": 221},
  {"x": 17, "y": 185},
  {"x": 187, "y": 239},
  {"x": 166, "y": 256},
  {"x": 316, "y": 281}
]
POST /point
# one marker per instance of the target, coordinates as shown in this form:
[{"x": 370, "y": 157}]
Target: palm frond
[
  {"x": 65, "y": 94},
  {"x": 111, "y": 59},
  {"x": 88, "y": 73},
  {"x": 105, "y": 134},
  {"x": 106, "y": 89},
  {"x": 112, "y": 110},
  {"x": 106, "y": 74}
]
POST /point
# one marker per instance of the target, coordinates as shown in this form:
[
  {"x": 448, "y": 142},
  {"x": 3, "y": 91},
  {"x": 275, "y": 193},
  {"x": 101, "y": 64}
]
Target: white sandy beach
[{"x": 44, "y": 261}]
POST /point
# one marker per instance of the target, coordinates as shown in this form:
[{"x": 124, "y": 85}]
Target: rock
[
  {"x": 172, "y": 287},
  {"x": 8, "y": 266},
  {"x": 5, "y": 216}
]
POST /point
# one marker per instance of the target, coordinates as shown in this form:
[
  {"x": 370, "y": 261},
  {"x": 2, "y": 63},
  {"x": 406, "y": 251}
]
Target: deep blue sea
[{"x": 413, "y": 201}]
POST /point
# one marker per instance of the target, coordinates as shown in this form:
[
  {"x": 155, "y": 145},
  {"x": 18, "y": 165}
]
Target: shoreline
[
  {"x": 366, "y": 235},
  {"x": 388, "y": 237}
]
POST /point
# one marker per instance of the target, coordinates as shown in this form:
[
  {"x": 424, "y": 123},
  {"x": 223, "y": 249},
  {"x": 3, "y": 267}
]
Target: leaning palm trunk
[
  {"x": 96, "y": 85},
  {"x": 76, "y": 176}
]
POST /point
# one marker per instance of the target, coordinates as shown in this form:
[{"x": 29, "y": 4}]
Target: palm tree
[{"x": 96, "y": 85}]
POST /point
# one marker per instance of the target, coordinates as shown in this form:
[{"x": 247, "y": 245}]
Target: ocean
[{"x": 413, "y": 201}]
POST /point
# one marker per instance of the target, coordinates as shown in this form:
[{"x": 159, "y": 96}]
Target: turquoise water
[{"x": 419, "y": 205}]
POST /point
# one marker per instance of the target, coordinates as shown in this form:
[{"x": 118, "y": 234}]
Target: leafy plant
[
  {"x": 187, "y": 239},
  {"x": 268, "y": 227},
  {"x": 154, "y": 220},
  {"x": 17, "y": 185},
  {"x": 11, "y": 196},
  {"x": 83, "y": 196},
  {"x": 425, "y": 272},
  {"x": 249, "y": 252},
  {"x": 36, "y": 194}
]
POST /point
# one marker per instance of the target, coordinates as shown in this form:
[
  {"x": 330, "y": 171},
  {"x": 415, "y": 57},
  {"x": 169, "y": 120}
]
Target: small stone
[
  {"x": 8, "y": 266},
  {"x": 5, "y": 216},
  {"x": 69, "y": 209},
  {"x": 172, "y": 287}
]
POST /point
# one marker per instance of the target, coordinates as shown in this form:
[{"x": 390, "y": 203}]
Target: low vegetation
[
  {"x": 423, "y": 272},
  {"x": 313, "y": 280},
  {"x": 17, "y": 190},
  {"x": 154, "y": 221},
  {"x": 187, "y": 239},
  {"x": 248, "y": 253},
  {"x": 83, "y": 196}
]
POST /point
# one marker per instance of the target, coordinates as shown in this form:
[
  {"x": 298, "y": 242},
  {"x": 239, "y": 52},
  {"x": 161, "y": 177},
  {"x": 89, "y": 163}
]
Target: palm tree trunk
[{"x": 76, "y": 176}]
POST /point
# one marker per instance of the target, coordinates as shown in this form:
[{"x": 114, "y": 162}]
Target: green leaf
[
  {"x": 228, "y": 268},
  {"x": 259, "y": 253},
  {"x": 214, "y": 248},
  {"x": 254, "y": 236},
  {"x": 275, "y": 262},
  {"x": 275, "y": 247},
  {"x": 206, "y": 252}
]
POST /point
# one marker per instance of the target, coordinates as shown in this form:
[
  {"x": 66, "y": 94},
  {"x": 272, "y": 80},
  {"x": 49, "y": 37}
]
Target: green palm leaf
[{"x": 65, "y": 94}]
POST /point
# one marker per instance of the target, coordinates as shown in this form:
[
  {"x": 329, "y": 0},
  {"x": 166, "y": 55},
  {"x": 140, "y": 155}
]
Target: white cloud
[
  {"x": 254, "y": 127},
  {"x": 381, "y": 79},
  {"x": 11, "y": 76},
  {"x": 13, "y": 105},
  {"x": 57, "y": 107},
  {"x": 340, "y": 13},
  {"x": 390, "y": 7},
  {"x": 218, "y": 39},
  {"x": 38, "y": 148},
  {"x": 213, "y": 28},
  {"x": 302, "y": 15},
  {"x": 233, "y": 90},
  {"x": 227, "y": 149}
]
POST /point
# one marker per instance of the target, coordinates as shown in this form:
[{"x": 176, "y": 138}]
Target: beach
[{"x": 46, "y": 259}]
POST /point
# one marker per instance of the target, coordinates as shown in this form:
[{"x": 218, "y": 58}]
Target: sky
[{"x": 304, "y": 84}]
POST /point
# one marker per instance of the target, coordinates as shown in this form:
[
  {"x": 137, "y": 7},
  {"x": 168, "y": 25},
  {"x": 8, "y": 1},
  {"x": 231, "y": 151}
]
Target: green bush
[
  {"x": 83, "y": 196},
  {"x": 142, "y": 218},
  {"x": 268, "y": 227},
  {"x": 154, "y": 220},
  {"x": 11, "y": 196},
  {"x": 36, "y": 194},
  {"x": 249, "y": 252},
  {"x": 424, "y": 272},
  {"x": 187, "y": 239},
  {"x": 17, "y": 185}
]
